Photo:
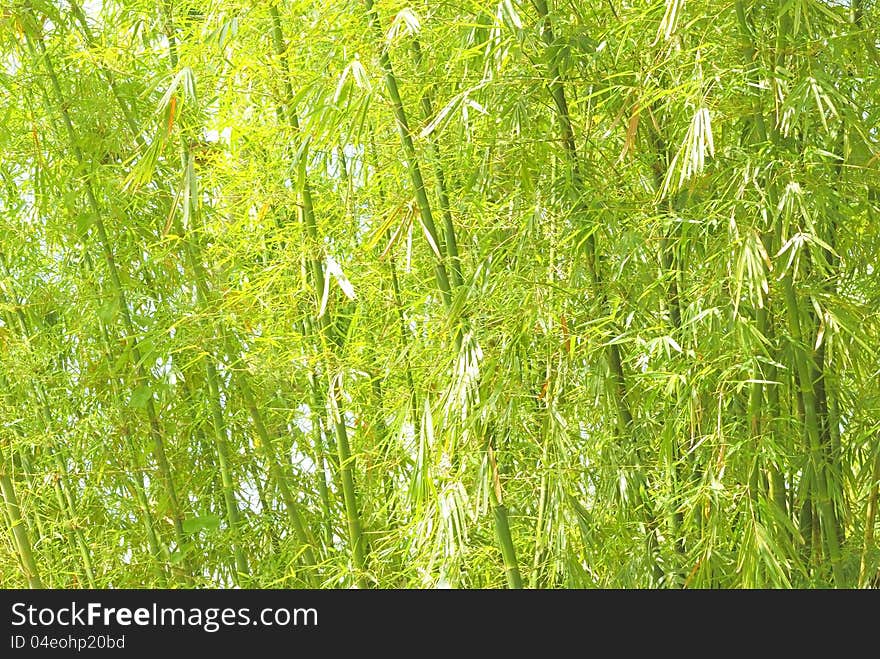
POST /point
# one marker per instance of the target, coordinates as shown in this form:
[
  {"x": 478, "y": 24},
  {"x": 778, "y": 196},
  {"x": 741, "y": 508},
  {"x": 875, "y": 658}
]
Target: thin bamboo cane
[
  {"x": 267, "y": 447},
  {"x": 233, "y": 514},
  {"x": 159, "y": 549},
  {"x": 64, "y": 495},
  {"x": 827, "y": 516},
  {"x": 346, "y": 461},
  {"x": 398, "y": 303},
  {"x": 203, "y": 290},
  {"x": 321, "y": 475},
  {"x": 803, "y": 368},
  {"x": 19, "y": 527},
  {"x": 108, "y": 74},
  {"x": 450, "y": 244},
  {"x": 415, "y": 171},
  {"x": 619, "y": 388},
  {"x": 128, "y": 323},
  {"x": 193, "y": 256},
  {"x": 65, "y": 503},
  {"x": 13, "y": 545},
  {"x": 870, "y": 520},
  {"x": 757, "y": 413},
  {"x": 379, "y": 427},
  {"x": 502, "y": 525},
  {"x": 557, "y": 92},
  {"x": 671, "y": 270},
  {"x": 543, "y": 491}
]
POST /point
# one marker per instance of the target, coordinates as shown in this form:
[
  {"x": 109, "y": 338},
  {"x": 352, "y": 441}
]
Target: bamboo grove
[{"x": 483, "y": 294}]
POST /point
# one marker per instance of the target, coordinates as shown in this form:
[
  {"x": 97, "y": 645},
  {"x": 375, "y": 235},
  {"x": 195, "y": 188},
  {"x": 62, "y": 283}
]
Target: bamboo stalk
[
  {"x": 19, "y": 527},
  {"x": 131, "y": 333},
  {"x": 502, "y": 526},
  {"x": 108, "y": 74},
  {"x": 451, "y": 241},
  {"x": 543, "y": 501},
  {"x": 557, "y": 92},
  {"x": 266, "y": 446},
  {"x": 159, "y": 549},
  {"x": 827, "y": 516},
  {"x": 398, "y": 305},
  {"x": 322, "y": 477},
  {"x": 64, "y": 495},
  {"x": 671, "y": 270},
  {"x": 379, "y": 426},
  {"x": 233, "y": 514},
  {"x": 804, "y": 371},
  {"x": 412, "y": 159},
  {"x": 219, "y": 425},
  {"x": 870, "y": 521},
  {"x": 618, "y": 389},
  {"x": 356, "y": 535}
]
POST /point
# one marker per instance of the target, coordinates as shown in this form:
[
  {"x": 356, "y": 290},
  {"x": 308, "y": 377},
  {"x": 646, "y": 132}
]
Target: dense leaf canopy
[{"x": 476, "y": 294}]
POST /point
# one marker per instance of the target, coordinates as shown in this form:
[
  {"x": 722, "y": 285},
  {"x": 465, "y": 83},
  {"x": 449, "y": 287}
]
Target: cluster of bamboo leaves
[{"x": 366, "y": 293}]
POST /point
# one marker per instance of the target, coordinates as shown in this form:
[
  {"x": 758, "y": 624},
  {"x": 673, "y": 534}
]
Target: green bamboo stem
[
  {"x": 412, "y": 159},
  {"x": 827, "y": 516},
  {"x": 258, "y": 479},
  {"x": 266, "y": 446},
  {"x": 128, "y": 324},
  {"x": 830, "y": 529},
  {"x": 346, "y": 461},
  {"x": 870, "y": 520},
  {"x": 355, "y": 531},
  {"x": 770, "y": 241},
  {"x": 502, "y": 526},
  {"x": 502, "y": 523},
  {"x": 618, "y": 388},
  {"x": 670, "y": 269},
  {"x": 557, "y": 92},
  {"x": 62, "y": 488},
  {"x": 543, "y": 501},
  {"x": 379, "y": 426},
  {"x": 158, "y": 547},
  {"x": 398, "y": 301},
  {"x": 68, "y": 507},
  {"x": 776, "y": 477},
  {"x": 321, "y": 475},
  {"x": 828, "y": 431},
  {"x": 159, "y": 550},
  {"x": 7, "y": 524},
  {"x": 68, "y": 522},
  {"x": 398, "y": 306},
  {"x": 36, "y": 519},
  {"x": 233, "y": 514},
  {"x": 449, "y": 233},
  {"x": 127, "y": 113},
  {"x": 19, "y": 528}
]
